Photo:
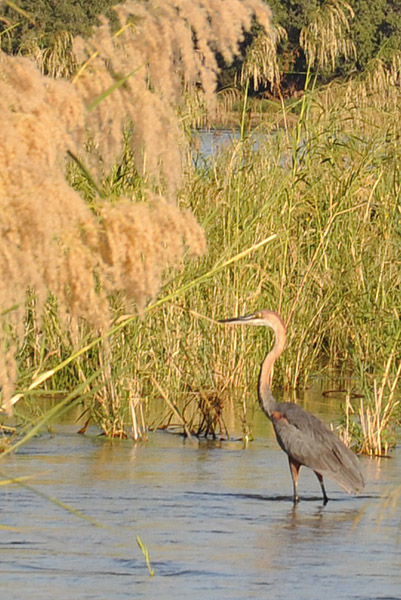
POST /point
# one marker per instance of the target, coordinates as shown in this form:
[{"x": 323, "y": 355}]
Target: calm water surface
[{"x": 218, "y": 523}]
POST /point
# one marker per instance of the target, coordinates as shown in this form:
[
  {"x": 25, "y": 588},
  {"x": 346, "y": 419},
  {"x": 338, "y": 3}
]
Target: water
[
  {"x": 211, "y": 141},
  {"x": 218, "y": 523}
]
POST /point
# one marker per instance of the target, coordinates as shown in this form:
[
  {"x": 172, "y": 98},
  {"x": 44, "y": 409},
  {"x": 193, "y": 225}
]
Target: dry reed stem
[
  {"x": 173, "y": 408},
  {"x": 374, "y": 423},
  {"x": 136, "y": 411},
  {"x": 345, "y": 433}
]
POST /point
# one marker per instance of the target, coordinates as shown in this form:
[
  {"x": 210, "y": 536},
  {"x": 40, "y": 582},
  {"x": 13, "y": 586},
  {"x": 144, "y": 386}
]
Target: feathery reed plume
[
  {"x": 380, "y": 81},
  {"x": 261, "y": 59},
  {"x": 160, "y": 50},
  {"x": 58, "y": 59},
  {"x": 51, "y": 241},
  {"x": 326, "y": 36}
]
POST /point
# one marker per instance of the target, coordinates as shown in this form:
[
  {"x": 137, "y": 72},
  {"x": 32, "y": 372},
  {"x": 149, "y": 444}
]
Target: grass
[{"x": 307, "y": 223}]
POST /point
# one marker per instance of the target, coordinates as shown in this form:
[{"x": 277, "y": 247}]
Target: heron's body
[{"x": 305, "y": 439}]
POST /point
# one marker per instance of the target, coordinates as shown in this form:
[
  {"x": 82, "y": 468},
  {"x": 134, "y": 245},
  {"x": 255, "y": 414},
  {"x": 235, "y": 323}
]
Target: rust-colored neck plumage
[{"x": 267, "y": 402}]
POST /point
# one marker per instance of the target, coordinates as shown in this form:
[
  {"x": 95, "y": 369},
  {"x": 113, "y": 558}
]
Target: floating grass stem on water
[{"x": 145, "y": 552}]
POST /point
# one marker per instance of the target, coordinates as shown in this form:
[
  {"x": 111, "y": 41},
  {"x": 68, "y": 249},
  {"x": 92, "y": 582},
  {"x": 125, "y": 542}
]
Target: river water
[{"x": 217, "y": 520}]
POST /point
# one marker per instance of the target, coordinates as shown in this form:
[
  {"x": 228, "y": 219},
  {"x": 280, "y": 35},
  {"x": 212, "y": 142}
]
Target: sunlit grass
[{"x": 305, "y": 222}]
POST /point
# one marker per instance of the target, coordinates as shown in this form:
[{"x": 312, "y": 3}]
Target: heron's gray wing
[{"x": 311, "y": 443}]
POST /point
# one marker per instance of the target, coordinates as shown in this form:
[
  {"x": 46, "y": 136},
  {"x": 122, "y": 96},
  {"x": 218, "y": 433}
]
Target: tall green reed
[{"x": 315, "y": 236}]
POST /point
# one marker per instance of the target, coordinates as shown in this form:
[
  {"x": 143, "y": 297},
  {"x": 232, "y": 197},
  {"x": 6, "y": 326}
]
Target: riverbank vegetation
[{"x": 102, "y": 304}]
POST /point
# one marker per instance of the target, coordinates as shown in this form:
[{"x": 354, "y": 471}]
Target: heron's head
[{"x": 265, "y": 317}]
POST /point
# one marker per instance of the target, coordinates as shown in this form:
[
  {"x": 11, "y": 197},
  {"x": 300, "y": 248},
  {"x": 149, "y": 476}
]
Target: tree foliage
[
  {"x": 46, "y": 18},
  {"x": 375, "y": 32}
]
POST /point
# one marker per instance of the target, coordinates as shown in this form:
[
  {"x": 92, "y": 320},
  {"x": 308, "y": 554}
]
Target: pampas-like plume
[
  {"x": 326, "y": 38},
  {"x": 50, "y": 239},
  {"x": 160, "y": 49}
]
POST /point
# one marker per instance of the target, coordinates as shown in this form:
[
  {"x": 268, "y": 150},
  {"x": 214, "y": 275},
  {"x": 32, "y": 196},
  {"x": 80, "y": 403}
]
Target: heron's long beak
[{"x": 240, "y": 320}]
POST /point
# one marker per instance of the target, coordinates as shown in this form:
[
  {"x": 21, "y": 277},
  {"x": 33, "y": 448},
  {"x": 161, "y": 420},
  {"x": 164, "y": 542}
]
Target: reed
[
  {"x": 377, "y": 418},
  {"x": 303, "y": 219},
  {"x": 325, "y": 270},
  {"x": 318, "y": 243},
  {"x": 329, "y": 264}
]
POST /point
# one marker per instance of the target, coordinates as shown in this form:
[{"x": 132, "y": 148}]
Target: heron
[{"x": 305, "y": 439}]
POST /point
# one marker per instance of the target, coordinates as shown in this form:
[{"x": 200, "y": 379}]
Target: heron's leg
[
  {"x": 294, "y": 468},
  {"x": 320, "y": 478}
]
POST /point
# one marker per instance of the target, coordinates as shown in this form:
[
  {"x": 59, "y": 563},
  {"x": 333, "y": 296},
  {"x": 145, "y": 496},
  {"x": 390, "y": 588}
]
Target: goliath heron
[{"x": 303, "y": 437}]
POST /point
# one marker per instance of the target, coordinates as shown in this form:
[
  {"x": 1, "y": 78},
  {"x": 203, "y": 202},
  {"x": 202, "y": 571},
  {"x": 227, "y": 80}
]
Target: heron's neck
[{"x": 266, "y": 399}]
